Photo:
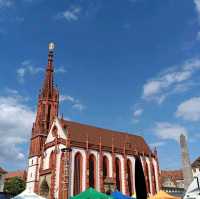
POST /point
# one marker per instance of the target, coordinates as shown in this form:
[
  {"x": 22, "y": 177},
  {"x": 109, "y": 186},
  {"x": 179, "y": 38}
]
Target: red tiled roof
[
  {"x": 178, "y": 174},
  {"x": 20, "y": 174},
  {"x": 174, "y": 175},
  {"x": 80, "y": 132},
  {"x": 2, "y": 171}
]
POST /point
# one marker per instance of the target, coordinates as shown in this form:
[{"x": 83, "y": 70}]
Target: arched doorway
[
  {"x": 44, "y": 188},
  {"x": 118, "y": 174},
  {"x": 105, "y": 167},
  {"x": 140, "y": 185},
  {"x": 130, "y": 177},
  {"x": 92, "y": 171},
  {"x": 77, "y": 174}
]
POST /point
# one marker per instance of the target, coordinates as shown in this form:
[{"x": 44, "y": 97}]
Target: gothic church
[{"x": 68, "y": 157}]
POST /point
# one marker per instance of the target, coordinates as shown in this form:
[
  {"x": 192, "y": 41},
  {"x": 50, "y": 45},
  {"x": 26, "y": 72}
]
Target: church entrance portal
[
  {"x": 140, "y": 184},
  {"x": 44, "y": 189}
]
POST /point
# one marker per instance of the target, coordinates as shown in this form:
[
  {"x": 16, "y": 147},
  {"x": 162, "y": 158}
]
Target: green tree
[{"x": 14, "y": 186}]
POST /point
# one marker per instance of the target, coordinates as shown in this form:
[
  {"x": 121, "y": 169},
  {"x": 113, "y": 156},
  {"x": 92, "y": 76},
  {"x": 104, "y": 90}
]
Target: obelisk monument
[{"x": 186, "y": 166}]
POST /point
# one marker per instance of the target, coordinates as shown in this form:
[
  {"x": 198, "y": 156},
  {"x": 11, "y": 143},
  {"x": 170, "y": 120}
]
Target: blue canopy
[{"x": 119, "y": 195}]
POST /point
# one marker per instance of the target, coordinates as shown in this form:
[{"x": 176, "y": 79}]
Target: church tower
[{"x": 47, "y": 109}]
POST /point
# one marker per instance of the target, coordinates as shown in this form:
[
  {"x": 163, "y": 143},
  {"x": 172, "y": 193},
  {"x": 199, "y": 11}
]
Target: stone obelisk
[{"x": 186, "y": 166}]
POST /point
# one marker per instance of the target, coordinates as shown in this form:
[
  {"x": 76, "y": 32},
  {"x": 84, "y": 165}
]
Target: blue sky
[{"x": 128, "y": 65}]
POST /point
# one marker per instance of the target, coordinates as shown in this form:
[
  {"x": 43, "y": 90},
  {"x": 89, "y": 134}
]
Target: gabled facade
[{"x": 67, "y": 157}]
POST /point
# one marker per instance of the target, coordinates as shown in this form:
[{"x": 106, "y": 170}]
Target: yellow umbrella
[{"x": 163, "y": 195}]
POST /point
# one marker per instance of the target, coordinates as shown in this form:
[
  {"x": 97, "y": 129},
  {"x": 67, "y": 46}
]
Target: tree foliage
[{"x": 14, "y": 186}]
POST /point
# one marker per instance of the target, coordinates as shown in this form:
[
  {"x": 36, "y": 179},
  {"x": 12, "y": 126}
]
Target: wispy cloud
[
  {"x": 76, "y": 104},
  {"x": 166, "y": 131},
  {"x": 27, "y": 68},
  {"x": 171, "y": 81},
  {"x": 6, "y": 3},
  {"x": 157, "y": 144},
  {"x": 60, "y": 70},
  {"x": 189, "y": 110},
  {"x": 138, "y": 112},
  {"x": 197, "y": 7},
  {"x": 72, "y": 14}
]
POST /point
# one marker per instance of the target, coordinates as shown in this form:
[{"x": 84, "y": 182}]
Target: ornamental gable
[{"x": 56, "y": 130}]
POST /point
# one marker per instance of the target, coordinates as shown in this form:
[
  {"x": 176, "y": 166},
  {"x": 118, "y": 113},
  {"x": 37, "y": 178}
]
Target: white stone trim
[
  {"x": 110, "y": 163},
  {"x": 122, "y": 172},
  {"x": 132, "y": 159},
  {"x": 150, "y": 176},
  {"x": 96, "y": 155},
  {"x": 156, "y": 174},
  {"x": 83, "y": 153}
]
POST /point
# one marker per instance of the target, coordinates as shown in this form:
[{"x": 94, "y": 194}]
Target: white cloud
[
  {"x": 138, "y": 112},
  {"x": 165, "y": 131},
  {"x": 66, "y": 98},
  {"x": 6, "y": 3},
  {"x": 151, "y": 88},
  {"x": 171, "y": 81},
  {"x": 78, "y": 106},
  {"x": 15, "y": 128},
  {"x": 27, "y": 68},
  {"x": 189, "y": 110},
  {"x": 72, "y": 14},
  {"x": 197, "y": 6},
  {"x": 157, "y": 144},
  {"x": 75, "y": 102},
  {"x": 60, "y": 70}
]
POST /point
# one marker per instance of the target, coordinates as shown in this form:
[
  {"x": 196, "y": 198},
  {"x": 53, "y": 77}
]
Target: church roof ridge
[
  {"x": 102, "y": 128},
  {"x": 80, "y": 131}
]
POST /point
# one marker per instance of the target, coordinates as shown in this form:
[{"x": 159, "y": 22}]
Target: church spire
[
  {"x": 48, "y": 85},
  {"x": 48, "y": 105}
]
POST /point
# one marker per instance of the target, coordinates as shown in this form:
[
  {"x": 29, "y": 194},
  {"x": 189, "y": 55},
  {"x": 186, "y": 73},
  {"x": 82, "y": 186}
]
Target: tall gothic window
[
  {"x": 77, "y": 174},
  {"x": 118, "y": 174},
  {"x": 92, "y": 171},
  {"x": 147, "y": 177},
  {"x": 130, "y": 177},
  {"x": 105, "y": 167},
  {"x": 154, "y": 178}
]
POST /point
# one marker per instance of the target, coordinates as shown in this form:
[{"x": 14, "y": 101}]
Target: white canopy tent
[{"x": 28, "y": 195}]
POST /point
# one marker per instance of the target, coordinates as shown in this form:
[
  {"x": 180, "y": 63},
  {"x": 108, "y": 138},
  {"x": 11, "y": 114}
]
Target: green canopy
[{"x": 91, "y": 194}]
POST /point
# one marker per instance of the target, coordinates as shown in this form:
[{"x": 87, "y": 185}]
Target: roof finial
[{"x": 51, "y": 46}]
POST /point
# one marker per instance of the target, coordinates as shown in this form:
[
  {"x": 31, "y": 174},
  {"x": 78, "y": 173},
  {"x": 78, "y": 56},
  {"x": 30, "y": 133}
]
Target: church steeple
[
  {"x": 48, "y": 105},
  {"x": 48, "y": 85}
]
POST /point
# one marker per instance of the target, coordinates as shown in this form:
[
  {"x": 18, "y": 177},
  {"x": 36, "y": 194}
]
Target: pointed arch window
[
  {"x": 147, "y": 177},
  {"x": 154, "y": 179},
  {"x": 130, "y": 177},
  {"x": 92, "y": 171},
  {"x": 118, "y": 173},
  {"x": 77, "y": 173},
  {"x": 105, "y": 167}
]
